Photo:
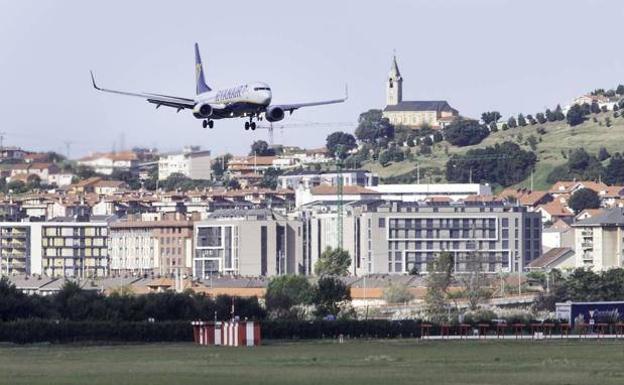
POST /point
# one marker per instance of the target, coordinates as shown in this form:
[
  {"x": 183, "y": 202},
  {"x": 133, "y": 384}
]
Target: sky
[{"x": 480, "y": 55}]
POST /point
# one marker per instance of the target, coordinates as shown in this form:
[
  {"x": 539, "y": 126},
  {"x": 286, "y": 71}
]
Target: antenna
[
  {"x": 68, "y": 144},
  {"x": 2, "y": 134}
]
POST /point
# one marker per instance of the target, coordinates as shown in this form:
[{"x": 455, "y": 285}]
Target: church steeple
[{"x": 394, "y": 86}]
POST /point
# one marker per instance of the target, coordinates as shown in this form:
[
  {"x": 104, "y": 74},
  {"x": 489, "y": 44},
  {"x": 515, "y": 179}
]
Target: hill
[{"x": 557, "y": 139}]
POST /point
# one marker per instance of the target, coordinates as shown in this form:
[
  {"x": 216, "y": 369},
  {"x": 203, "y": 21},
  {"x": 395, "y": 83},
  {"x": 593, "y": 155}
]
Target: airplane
[{"x": 251, "y": 100}]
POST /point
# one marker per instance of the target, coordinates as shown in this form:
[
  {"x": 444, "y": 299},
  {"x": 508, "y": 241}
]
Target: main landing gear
[
  {"x": 250, "y": 124},
  {"x": 208, "y": 123}
]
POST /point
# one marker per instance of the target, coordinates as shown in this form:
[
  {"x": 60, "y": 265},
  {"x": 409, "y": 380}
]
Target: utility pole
[
  {"x": 339, "y": 196},
  {"x": 2, "y": 134}
]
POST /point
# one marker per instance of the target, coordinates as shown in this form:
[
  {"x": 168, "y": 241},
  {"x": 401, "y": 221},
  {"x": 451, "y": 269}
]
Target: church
[{"x": 414, "y": 113}]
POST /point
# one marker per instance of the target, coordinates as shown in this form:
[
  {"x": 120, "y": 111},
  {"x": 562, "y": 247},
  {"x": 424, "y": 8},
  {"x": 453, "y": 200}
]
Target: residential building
[
  {"x": 191, "y": 162},
  {"x": 560, "y": 258},
  {"x": 59, "y": 248},
  {"x": 106, "y": 163},
  {"x": 599, "y": 241},
  {"x": 558, "y": 235},
  {"x": 256, "y": 242},
  {"x": 310, "y": 178},
  {"x": 160, "y": 244},
  {"x": 434, "y": 113},
  {"x": 399, "y": 237}
]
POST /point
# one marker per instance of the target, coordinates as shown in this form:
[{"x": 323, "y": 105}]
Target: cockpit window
[{"x": 262, "y": 89}]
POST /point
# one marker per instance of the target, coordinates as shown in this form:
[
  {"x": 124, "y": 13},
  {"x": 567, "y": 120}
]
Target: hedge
[
  {"x": 333, "y": 329},
  {"x": 33, "y": 331}
]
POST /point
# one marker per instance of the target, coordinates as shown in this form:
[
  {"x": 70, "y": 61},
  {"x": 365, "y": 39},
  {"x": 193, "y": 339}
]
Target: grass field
[
  {"x": 559, "y": 137},
  {"x": 378, "y": 362}
]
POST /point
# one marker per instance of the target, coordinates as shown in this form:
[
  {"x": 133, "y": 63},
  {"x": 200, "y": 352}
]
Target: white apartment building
[
  {"x": 191, "y": 162},
  {"x": 107, "y": 163}
]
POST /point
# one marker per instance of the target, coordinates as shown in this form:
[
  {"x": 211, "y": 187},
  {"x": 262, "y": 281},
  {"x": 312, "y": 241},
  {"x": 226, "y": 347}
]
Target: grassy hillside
[{"x": 559, "y": 137}]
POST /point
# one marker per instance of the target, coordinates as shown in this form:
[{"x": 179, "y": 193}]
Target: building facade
[
  {"x": 191, "y": 162},
  {"x": 257, "y": 242},
  {"x": 599, "y": 240},
  {"x": 402, "y": 237}
]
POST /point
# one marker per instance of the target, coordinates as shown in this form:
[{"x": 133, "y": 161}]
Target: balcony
[{"x": 587, "y": 245}]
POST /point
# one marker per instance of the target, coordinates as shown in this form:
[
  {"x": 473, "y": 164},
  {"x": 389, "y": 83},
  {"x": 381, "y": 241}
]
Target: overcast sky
[{"x": 511, "y": 56}]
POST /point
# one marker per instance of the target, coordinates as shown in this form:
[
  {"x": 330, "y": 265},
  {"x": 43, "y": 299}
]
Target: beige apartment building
[{"x": 599, "y": 240}]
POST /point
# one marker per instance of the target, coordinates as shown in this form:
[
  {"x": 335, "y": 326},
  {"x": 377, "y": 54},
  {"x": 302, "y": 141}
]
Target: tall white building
[{"x": 191, "y": 162}]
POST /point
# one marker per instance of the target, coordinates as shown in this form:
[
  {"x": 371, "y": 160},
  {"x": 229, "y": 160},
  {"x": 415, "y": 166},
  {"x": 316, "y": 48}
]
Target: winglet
[{"x": 93, "y": 81}]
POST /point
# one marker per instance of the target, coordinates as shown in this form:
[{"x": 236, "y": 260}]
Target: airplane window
[{"x": 262, "y": 89}]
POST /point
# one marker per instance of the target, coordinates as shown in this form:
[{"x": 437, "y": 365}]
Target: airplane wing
[
  {"x": 157, "y": 99},
  {"x": 291, "y": 107}
]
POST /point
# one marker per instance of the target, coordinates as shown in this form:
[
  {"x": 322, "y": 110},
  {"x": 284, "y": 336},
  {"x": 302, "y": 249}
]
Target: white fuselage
[{"x": 252, "y": 95}]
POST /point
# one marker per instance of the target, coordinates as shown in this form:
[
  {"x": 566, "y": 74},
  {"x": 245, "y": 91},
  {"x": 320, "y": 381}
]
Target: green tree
[
  {"x": 584, "y": 199},
  {"x": 329, "y": 293},
  {"x": 540, "y": 118},
  {"x": 493, "y": 127},
  {"x": 340, "y": 143},
  {"x": 219, "y": 165},
  {"x": 614, "y": 172},
  {"x": 490, "y": 117},
  {"x": 511, "y": 122},
  {"x": 284, "y": 292},
  {"x": 374, "y": 127},
  {"x": 261, "y": 148},
  {"x": 620, "y": 89},
  {"x": 269, "y": 178},
  {"x": 397, "y": 293},
  {"x": 438, "y": 282},
  {"x": 603, "y": 154},
  {"x": 465, "y": 132},
  {"x": 575, "y": 115},
  {"x": 333, "y": 262},
  {"x": 521, "y": 120},
  {"x": 16, "y": 187}
]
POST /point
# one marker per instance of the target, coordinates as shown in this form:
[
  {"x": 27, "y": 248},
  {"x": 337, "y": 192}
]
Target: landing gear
[
  {"x": 208, "y": 123},
  {"x": 249, "y": 125},
  {"x": 253, "y": 126}
]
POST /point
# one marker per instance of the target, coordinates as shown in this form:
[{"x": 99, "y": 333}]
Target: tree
[
  {"x": 493, "y": 127},
  {"x": 505, "y": 164},
  {"x": 261, "y": 148},
  {"x": 397, "y": 293},
  {"x": 16, "y": 187},
  {"x": 614, "y": 172},
  {"x": 532, "y": 141},
  {"x": 373, "y": 127},
  {"x": 603, "y": 154},
  {"x": 328, "y": 294},
  {"x": 286, "y": 291},
  {"x": 438, "y": 282},
  {"x": 333, "y": 262},
  {"x": 233, "y": 184},
  {"x": 540, "y": 118},
  {"x": 475, "y": 282},
  {"x": 385, "y": 158},
  {"x": 269, "y": 178},
  {"x": 594, "y": 108},
  {"x": 521, "y": 120},
  {"x": 584, "y": 199},
  {"x": 511, "y": 122},
  {"x": 219, "y": 165},
  {"x": 559, "y": 115},
  {"x": 490, "y": 117},
  {"x": 174, "y": 181},
  {"x": 340, "y": 143},
  {"x": 620, "y": 89},
  {"x": 575, "y": 115},
  {"x": 465, "y": 132}
]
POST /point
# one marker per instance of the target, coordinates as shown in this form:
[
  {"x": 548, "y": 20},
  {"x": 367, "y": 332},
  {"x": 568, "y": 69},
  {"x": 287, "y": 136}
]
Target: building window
[
  {"x": 382, "y": 223},
  {"x": 209, "y": 236}
]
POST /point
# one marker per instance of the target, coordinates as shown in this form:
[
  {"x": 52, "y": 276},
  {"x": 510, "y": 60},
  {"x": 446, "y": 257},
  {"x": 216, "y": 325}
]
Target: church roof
[{"x": 421, "y": 105}]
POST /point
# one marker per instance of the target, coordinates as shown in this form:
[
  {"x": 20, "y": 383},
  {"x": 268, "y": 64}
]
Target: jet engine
[
  {"x": 202, "y": 111},
  {"x": 274, "y": 114}
]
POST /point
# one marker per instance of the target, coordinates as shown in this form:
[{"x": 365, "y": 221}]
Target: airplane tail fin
[{"x": 200, "y": 82}]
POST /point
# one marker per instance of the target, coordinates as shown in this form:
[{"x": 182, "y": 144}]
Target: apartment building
[
  {"x": 400, "y": 237},
  {"x": 191, "y": 162},
  {"x": 309, "y": 179},
  {"x": 62, "y": 248},
  {"x": 255, "y": 242},
  {"x": 160, "y": 245},
  {"x": 599, "y": 240}
]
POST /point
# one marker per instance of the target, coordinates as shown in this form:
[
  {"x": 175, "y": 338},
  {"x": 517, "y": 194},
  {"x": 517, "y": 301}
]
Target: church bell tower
[{"x": 394, "y": 85}]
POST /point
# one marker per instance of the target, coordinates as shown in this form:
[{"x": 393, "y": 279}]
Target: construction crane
[{"x": 271, "y": 127}]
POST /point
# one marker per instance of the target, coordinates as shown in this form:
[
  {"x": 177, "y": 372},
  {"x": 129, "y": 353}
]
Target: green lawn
[{"x": 380, "y": 362}]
